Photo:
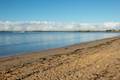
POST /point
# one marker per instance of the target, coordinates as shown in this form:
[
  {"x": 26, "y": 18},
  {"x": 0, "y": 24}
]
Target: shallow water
[{"x": 12, "y": 43}]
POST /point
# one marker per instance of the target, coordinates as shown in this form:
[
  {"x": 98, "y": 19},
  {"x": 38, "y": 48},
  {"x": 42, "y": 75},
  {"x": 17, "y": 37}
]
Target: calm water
[{"x": 12, "y": 43}]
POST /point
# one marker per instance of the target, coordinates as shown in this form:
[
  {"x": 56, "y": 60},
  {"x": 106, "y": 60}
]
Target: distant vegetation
[{"x": 113, "y": 30}]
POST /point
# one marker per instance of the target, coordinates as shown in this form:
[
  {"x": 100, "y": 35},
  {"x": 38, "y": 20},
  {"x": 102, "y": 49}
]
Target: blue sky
[{"x": 93, "y": 11}]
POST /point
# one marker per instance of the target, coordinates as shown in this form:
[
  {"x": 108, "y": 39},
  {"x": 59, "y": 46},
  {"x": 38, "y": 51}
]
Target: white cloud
[{"x": 55, "y": 26}]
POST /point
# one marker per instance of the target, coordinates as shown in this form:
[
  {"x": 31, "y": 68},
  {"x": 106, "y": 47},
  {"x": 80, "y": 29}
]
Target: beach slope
[{"x": 96, "y": 60}]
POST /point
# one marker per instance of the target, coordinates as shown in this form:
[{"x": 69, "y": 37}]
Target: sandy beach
[{"x": 96, "y": 60}]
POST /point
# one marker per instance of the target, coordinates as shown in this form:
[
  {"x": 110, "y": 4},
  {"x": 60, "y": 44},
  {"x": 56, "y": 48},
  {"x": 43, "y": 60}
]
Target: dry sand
[{"x": 97, "y": 60}]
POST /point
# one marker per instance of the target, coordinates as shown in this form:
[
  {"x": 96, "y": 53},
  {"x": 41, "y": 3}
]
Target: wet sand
[{"x": 96, "y": 60}]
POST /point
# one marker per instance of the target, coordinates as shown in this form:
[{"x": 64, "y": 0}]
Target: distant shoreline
[{"x": 61, "y": 31}]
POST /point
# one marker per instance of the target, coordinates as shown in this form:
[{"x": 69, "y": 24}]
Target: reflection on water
[{"x": 15, "y": 42}]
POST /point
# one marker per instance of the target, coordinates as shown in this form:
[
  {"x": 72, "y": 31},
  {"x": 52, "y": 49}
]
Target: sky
[{"x": 86, "y": 11}]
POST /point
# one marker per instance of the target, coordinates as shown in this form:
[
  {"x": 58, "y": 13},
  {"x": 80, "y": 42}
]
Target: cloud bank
[{"x": 56, "y": 26}]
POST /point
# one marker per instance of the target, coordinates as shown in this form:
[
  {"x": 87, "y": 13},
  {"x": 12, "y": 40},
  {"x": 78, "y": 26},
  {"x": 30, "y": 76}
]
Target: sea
[{"x": 14, "y": 43}]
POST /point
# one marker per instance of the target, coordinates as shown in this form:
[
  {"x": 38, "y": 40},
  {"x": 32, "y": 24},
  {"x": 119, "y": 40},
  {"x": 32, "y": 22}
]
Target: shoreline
[
  {"x": 42, "y": 52},
  {"x": 83, "y": 61}
]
